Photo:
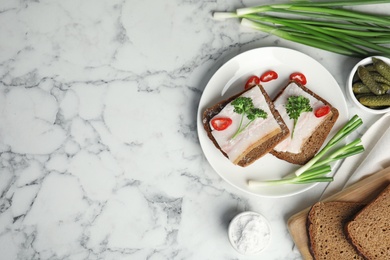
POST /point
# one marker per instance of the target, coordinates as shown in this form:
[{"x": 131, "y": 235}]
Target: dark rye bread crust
[
  {"x": 369, "y": 230},
  {"x": 325, "y": 224},
  {"x": 260, "y": 150},
  {"x": 315, "y": 141}
]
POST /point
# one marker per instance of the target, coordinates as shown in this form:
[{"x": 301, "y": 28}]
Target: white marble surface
[{"x": 98, "y": 144}]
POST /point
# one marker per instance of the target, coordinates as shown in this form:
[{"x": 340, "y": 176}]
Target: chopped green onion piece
[
  {"x": 348, "y": 128},
  {"x": 317, "y": 168}
]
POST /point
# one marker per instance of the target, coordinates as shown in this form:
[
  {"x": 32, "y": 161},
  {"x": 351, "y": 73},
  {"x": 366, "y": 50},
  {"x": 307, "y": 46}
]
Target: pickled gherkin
[
  {"x": 369, "y": 81},
  {"x": 360, "y": 88},
  {"x": 382, "y": 67},
  {"x": 370, "y": 67},
  {"x": 379, "y": 78},
  {"x": 375, "y": 101}
]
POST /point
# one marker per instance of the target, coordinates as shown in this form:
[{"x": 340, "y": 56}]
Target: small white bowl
[
  {"x": 350, "y": 81},
  {"x": 249, "y": 233}
]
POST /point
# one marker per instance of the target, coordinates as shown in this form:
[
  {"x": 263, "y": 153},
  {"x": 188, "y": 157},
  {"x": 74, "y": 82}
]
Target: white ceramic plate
[{"x": 237, "y": 71}]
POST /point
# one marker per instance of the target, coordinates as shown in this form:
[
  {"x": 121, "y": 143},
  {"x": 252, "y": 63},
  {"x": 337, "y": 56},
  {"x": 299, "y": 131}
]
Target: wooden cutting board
[{"x": 362, "y": 191}]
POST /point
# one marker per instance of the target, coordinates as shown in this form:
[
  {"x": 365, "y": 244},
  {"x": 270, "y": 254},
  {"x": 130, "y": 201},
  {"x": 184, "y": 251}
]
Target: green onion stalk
[
  {"x": 318, "y": 167},
  {"x": 325, "y": 25}
]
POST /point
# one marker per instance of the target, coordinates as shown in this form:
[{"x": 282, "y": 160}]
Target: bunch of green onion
[
  {"x": 319, "y": 166},
  {"x": 326, "y": 25}
]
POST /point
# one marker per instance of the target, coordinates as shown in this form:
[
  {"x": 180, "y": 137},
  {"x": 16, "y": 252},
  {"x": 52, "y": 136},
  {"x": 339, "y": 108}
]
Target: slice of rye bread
[
  {"x": 251, "y": 155},
  {"x": 315, "y": 141},
  {"x": 325, "y": 223},
  {"x": 369, "y": 230}
]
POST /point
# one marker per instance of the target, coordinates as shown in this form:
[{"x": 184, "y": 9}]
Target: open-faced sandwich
[
  {"x": 309, "y": 118},
  {"x": 245, "y": 126}
]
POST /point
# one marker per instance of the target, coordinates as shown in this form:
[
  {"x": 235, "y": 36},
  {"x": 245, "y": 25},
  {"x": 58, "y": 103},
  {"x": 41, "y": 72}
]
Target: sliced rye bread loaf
[
  {"x": 313, "y": 143},
  {"x": 258, "y": 149},
  {"x": 369, "y": 230},
  {"x": 326, "y": 221}
]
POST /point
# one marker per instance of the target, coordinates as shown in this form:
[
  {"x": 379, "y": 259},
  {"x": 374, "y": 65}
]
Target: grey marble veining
[{"x": 99, "y": 152}]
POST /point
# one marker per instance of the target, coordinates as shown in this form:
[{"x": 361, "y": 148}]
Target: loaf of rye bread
[
  {"x": 369, "y": 230},
  {"x": 325, "y": 223},
  {"x": 259, "y": 150},
  {"x": 312, "y": 144}
]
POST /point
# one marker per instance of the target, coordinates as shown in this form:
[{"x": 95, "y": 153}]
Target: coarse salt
[{"x": 249, "y": 233}]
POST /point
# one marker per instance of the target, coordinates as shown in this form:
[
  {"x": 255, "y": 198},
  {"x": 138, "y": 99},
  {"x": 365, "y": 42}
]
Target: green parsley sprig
[
  {"x": 244, "y": 106},
  {"x": 295, "y": 106}
]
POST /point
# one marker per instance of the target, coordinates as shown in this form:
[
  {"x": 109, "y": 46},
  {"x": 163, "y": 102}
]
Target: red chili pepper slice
[
  {"x": 322, "y": 111},
  {"x": 221, "y": 123},
  {"x": 298, "y": 77},
  {"x": 268, "y": 76},
  {"x": 252, "y": 81}
]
